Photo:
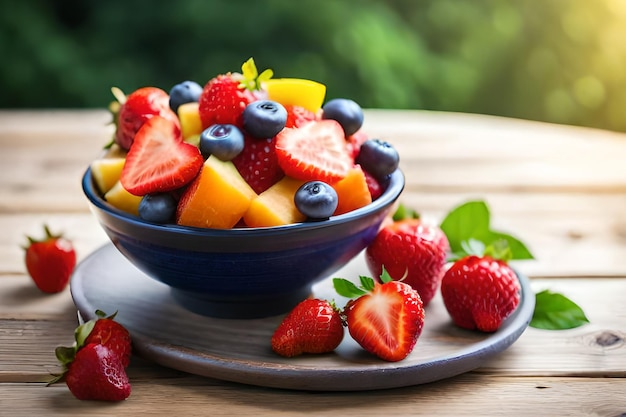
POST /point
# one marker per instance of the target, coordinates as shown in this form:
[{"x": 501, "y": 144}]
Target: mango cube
[
  {"x": 217, "y": 198},
  {"x": 275, "y": 206}
]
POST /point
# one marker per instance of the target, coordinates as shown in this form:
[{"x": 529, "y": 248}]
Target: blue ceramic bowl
[{"x": 242, "y": 272}]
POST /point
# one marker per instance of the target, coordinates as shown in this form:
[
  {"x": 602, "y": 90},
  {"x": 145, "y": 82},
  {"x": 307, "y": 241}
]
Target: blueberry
[
  {"x": 157, "y": 208},
  {"x": 378, "y": 158},
  {"x": 223, "y": 141},
  {"x": 347, "y": 112},
  {"x": 263, "y": 119},
  {"x": 185, "y": 92},
  {"x": 316, "y": 200}
]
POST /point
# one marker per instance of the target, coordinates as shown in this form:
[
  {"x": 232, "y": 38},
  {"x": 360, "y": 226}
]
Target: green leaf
[
  {"x": 471, "y": 220},
  {"x": 403, "y": 212},
  {"x": 467, "y": 221},
  {"x": 65, "y": 354},
  {"x": 82, "y": 331},
  {"x": 346, "y": 288},
  {"x": 519, "y": 251},
  {"x": 367, "y": 283},
  {"x": 384, "y": 276},
  {"x": 554, "y": 311}
]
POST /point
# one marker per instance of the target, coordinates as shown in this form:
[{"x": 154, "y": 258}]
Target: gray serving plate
[{"x": 239, "y": 350}]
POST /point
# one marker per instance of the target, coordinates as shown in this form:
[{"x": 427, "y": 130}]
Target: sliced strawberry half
[
  {"x": 385, "y": 319},
  {"x": 159, "y": 160},
  {"x": 314, "y": 151},
  {"x": 298, "y": 116}
]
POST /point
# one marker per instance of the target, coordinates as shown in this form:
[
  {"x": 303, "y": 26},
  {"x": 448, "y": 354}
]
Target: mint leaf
[
  {"x": 554, "y": 311},
  {"x": 471, "y": 221},
  {"x": 518, "y": 249},
  {"x": 467, "y": 221}
]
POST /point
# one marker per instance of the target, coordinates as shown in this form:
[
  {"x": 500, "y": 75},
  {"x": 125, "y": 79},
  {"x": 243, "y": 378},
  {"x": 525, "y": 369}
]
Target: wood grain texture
[{"x": 561, "y": 189}]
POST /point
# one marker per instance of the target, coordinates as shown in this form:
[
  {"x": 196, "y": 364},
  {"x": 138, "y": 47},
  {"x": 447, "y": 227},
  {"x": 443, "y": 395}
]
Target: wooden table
[{"x": 561, "y": 189}]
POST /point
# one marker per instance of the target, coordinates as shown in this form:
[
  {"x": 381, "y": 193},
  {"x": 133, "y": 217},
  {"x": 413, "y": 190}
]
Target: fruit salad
[{"x": 245, "y": 150}]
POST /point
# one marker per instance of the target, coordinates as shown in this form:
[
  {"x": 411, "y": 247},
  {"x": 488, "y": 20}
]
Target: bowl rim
[{"x": 393, "y": 190}]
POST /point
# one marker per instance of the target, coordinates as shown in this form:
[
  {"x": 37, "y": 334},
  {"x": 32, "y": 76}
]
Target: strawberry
[
  {"x": 106, "y": 331},
  {"x": 257, "y": 163},
  {"x": 386, "y": 319},
  {"x": 94, "y": 366},
  {"x": 50, "y": 261},
  {"x": 298, "y": 116},
  {"x": 159, "y": 160},
  {"x": 134, "y": 110},
  {"x": 479, "y": 292},
  {"x": 411, "y": 251},
  {"x": 96, "y": 373},
  {"x": 225, "y": 96},
  {"x": 373, "y": 185},
  {"x": 313, "y": 326},
  {"x": 314, "y": 151},
  {"x": 223, "y": 100},
  {"x": 355, "y": 141}
]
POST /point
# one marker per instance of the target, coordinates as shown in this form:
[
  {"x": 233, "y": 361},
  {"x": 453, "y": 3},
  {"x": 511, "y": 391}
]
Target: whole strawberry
[
  {"x": 94, "y": 367},
  {"x": 480, "y": 292},
  {"x": 385, "y": 319},
  {"x": 104, "y": 330},
  {"x": 225, "y": 96},
  {"x": 96, "y": 373},
  {"x": 313, "y": 326},
  {"x": 412, "y": 251},
  {"x": 136, "y": 109},
  {"x": 50, "y": 261}
]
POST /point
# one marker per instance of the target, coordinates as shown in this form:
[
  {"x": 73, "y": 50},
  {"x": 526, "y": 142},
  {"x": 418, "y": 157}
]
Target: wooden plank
[
  {"x": 32, "y": 325},
  {"x": 470, "y": 395},
  {"x": 441, "y": 153},
  {"x": 569, "y": 234}
]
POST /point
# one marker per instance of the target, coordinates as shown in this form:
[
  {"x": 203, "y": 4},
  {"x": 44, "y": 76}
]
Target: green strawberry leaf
[
  {"x": 554, "y": 311},
  {"x": 367, "y": 283},
  {"x": 384, "y": 276},
  {"x": 347, "y": 289},
  {"x": 403, "y": 212}
]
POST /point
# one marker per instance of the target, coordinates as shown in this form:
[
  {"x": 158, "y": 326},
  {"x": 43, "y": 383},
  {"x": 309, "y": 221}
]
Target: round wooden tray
[{"x": 239, "y": 350}]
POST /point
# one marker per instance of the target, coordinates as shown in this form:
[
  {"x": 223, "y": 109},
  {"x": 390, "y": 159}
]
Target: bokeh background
[{"x": 561, "y": 61}]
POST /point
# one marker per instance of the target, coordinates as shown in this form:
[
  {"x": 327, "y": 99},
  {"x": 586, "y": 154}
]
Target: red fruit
[
  {"x": 108, "y": 332},
  {"x": 355, "y": 141},
  {"x": 136, "y": 109},
  {"x": 298, "y": 116},
  {"x": 387, "y": 320},
  {"x": 223, "y": 100},
  {"x": 314, "y": 151},
  {"x": 375, "y": 188},
  {"x": 50, "y": 261},
  {"x": 410, "y": 251},
  {"x": 159, "y": 160},
  {"x": 96, "y": 373},
  {"x": 313, "y": 326},
  {"x": 480, "y": 292},
  {"x": 257, "y": 163}
]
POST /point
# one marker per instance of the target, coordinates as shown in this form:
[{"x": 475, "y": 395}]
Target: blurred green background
[{"x": 560, "y": 61}]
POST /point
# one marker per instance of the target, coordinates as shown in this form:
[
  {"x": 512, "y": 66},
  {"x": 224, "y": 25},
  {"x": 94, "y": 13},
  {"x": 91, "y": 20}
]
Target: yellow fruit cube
[
  {"x": 106, "y": 172},
  {"x": 119, "y": 198},
  {"x": 296, "y": 92},
  {"x": 275, "y": 206},
  {"x": 189, "y": 116},
  {"x": 217, "y": 198}
]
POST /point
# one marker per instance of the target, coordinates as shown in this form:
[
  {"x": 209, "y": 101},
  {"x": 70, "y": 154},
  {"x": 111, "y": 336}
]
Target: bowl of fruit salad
[{"x": 242, "y": 194}]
